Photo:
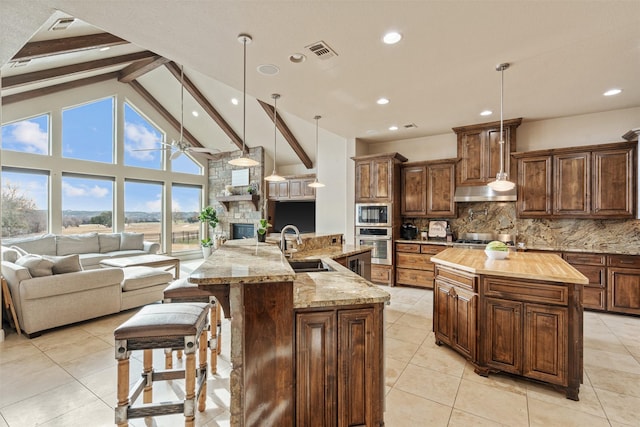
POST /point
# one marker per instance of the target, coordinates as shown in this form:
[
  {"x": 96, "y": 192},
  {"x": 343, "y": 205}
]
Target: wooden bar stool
[
  {"x": 184, "y": 291},
  {"x": 180, "y": 325}
]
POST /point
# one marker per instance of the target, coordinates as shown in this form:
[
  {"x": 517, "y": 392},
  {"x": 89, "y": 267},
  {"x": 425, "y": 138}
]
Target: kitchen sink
[{"x": 309, "y": 266}]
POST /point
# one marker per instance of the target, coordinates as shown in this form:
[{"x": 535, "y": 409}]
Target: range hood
[{"x": 483, "y": 193}]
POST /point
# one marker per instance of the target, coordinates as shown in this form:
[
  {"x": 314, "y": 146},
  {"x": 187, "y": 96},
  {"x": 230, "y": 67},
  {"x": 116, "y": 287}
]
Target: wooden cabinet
[
  {"x": 292, "y": 188},
  {"x": 382, "y": 274},
  {"x": 580, "y": 182},
  {"x": 593, "y": 266},
  {"x": 377, "y": 177},
  {"x": 428, "y": 189},
  {"x": 623, "y": 284},
  {"x": 413, "y": 264},
  {"x": 339, "y": 367},
  {"x": 413, "y": 201},
  {"x": 358, "y": 263},
  {"x": 479, "y": 151},
  {"x": 279, "y": 190}
]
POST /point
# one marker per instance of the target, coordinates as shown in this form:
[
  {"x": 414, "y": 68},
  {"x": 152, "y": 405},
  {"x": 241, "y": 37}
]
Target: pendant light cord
[
  {"x": 244, "y": 95},
  {"x": 181, "y": 104},
  {"x": 501, "y": 119},
  {"x": 275, "y": 131}
]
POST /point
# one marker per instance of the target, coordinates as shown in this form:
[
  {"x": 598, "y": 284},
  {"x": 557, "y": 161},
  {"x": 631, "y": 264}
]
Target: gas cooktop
[{"x": 480, "y": 240}]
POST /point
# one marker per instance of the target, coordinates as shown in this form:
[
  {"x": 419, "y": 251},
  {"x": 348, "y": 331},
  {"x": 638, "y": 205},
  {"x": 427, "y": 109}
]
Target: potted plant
[
  {"x": 207, "y": 246},
  {"x": 263, "y": 225},
  {"x": 208, "y": 216}
]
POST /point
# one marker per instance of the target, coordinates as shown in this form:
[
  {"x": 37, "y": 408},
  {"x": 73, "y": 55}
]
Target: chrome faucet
[{"x": 283, "y": 241}]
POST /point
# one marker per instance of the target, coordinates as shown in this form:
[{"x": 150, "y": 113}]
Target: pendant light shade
[
  {"x": 315, "y": 183},
  {"x": 274, "y": 177},
  {"x": 502, "y": 182},
  {"x": 243, "y": 160}
]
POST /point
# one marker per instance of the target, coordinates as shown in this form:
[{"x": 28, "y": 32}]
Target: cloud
[
  {"x": 96, "y": 191},
  {"x": 30, "y": 136},
  {"x": 154, "y": 205},
  {"x": 138, "y": 137}
]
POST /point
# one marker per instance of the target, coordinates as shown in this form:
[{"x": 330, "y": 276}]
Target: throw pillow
[
  {"x": 131, "y": 241},
  {"x": 9, "y": 254},
  {"x": 20, "y": 251},
  {"x": 109, "y": 242},
  {"x": 37, "y": 266},
  {"x": 64, "y": 264}
]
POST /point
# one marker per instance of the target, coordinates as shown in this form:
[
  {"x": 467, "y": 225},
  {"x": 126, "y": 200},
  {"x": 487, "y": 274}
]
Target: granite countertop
[
  {"x": 424, "y": 242},
  {"x": 332, "y": 252},
  {"x": 525, "y": 265}
]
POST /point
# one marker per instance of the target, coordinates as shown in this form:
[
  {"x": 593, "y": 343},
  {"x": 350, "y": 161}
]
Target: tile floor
[{"x": 66, "y": 377}]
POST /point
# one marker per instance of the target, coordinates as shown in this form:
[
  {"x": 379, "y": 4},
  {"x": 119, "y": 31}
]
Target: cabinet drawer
[
  {"x": 594, "y": 298},
  {"x": 588, "y": 259},
  {"x": 408, "y": 247},
  {"x": 432, "y": 249},
  {"x": 417, "y": 261},
  {"x": 405, "y": 276},
  {"x": 625, "y": 261},
  {"x": 457, "y": 278},
  {"x": 381, "y": 274},
  {"x": 527, "y": 291},
  {"x": 596, "y": 275}
]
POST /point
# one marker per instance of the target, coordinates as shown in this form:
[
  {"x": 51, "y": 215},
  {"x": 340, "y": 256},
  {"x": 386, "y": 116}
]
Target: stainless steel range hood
[{"x": 483, "y": 193}]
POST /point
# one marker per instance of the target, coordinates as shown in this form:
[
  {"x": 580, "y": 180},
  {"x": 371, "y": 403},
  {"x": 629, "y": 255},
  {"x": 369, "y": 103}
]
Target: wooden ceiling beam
[
  {"x": 284, "y": 130},
  {"x": 69, "y": 70},
  {"x": 23, "y": 96},
  {"x": 206, "y": 106},
  {"x": 66, "y": 45},
  {"x": 140, "y": 68},
  {"x": 135, "y": 85}
]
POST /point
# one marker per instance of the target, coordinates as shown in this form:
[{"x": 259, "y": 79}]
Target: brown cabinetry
[
  {"x": 479, "y": 151},
  {"x": 377, "y": 177},
  {"x": 593, "y": 266},
  {"x": 428, "y": 189},
  {"x": 382, "y": 274},
  {"x": 414, "y": 190},
  {"x": 339, "y": 367},
  {"x": 623, "y": 286},
  {"x": 292, "y": 188},
  {"x": 413, "y": 264}
]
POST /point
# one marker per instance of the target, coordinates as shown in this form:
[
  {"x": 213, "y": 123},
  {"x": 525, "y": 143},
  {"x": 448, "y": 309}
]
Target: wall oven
[
  {"x": 379, "y": 238},
  {"x": 374, "y": 214}
]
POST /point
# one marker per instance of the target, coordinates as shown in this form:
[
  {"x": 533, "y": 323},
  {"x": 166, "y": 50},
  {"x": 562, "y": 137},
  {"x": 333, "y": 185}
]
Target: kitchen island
[
  {"x": 521, "y": 315},
  {"x": 304, "y": 346}
]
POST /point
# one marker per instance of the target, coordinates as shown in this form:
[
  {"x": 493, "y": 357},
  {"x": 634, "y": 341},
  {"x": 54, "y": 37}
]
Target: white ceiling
[{"x": 564, "y": 55}]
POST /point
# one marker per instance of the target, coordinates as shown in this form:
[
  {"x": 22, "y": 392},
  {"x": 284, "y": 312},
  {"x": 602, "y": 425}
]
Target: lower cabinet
[
  {"x": 382, "y": 274},
  {"x": 339, "y": 367},
  {"x": 413, "y": 264},
  {"x": 623, "y": 284},
  {"x": 593, "y": 266}
]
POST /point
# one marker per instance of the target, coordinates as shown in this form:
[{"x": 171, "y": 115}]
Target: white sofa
[{"x": 51, "y": 287}]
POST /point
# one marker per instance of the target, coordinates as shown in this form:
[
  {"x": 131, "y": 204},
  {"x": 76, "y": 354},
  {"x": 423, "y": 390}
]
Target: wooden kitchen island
[
  {"x": 521, "y": 315},
  {"x": 306, "y": 348}
]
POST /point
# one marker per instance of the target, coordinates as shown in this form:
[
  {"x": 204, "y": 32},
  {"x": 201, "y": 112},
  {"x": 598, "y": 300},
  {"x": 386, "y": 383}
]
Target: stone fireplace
[{"x": 241, "y": 231}]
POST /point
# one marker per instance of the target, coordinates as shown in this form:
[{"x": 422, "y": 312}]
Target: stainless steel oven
[
  {"x": 379, "y": 238},
  {"x": 373, "y": 214}
]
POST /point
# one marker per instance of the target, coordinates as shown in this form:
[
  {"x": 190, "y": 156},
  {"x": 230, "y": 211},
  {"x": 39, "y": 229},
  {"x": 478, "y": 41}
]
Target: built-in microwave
[{"x": 373, "y": 214}]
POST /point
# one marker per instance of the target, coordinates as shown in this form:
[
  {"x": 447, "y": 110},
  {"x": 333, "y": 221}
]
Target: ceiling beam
[
  {"x": 69, "y": 70},
  {"x": 284, "y": 130},
  {"x": 66, "y": 45},
  {"x": 140, "y": 68},
  {"x": 23, "y": 96},
  {"x": 206, "y": 106},
  {"x": 135, "y": 85}
]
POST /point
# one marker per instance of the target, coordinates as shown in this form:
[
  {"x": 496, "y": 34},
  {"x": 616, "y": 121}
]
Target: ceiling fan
[{"x": 180, "y": 146}]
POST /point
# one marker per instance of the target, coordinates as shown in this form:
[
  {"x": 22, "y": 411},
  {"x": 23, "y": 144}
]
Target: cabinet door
[
  {"x": 273, "y": 191},
  {"x": 503, "y": 337},
  {"x": 613, "y": 186},
  {"x": 464, "y": 322},
  {"x": 572, "y": 184},
  {"x": 492, "y": 162},
  {"x": 363, "y": 181},
  {"x": 443, "y": 312},
  {"x": 295, "y": 189},
  {"x": 359, "y": 362},
  {"x": 472, "y": 158},
  {"x": 623, "y": 290},
  {"x": 381, "y": 189},
  {"x": 534, "y": 187},
  {"x": 308, "y": 192},
  {"x": 414, "y": 191},
  {"x": 283, "y": 190},
  {"x": 315, "y": 368},
  {"x": 440, "y": 190},
  {"x": 545, "y": 339}
]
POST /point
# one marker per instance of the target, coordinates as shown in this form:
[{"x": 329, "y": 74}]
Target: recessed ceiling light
[
  {"x": 297, "y": 58},
  {"x": 486, "y": 113},
  {"x": 393, "y": 128},
  {"x": 612, "y": 92},
  {"x": 195, "y": 113},
  {"x": 382, "y": 101},
  {"x": 268, "y": 69},
  {"x": 392, "y": 37},
  {"x": 234, "y": 101}
]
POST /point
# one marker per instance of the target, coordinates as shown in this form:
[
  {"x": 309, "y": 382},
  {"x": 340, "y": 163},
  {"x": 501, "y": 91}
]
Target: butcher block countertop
[{"x": 525, "y": 265}]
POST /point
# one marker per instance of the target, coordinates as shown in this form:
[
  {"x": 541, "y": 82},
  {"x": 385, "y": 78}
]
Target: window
[
  {"x": 27, "y": 136},
  {"x": 143, "y": 209},
  {"x": 25, "y": 201},
  {"x": 185, "y": 164},
  {"x": 186, "y": 201},
  {"x": 87, "y": 131},
  {"x": 142, "y": 141},
  {"x": 87, "y": 204}
]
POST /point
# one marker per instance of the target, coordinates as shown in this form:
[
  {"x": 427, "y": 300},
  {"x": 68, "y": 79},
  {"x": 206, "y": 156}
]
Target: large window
[
  {"x": 87, "y": 204},
  {"x": 185, "y": 208},
  {"x": 27, "y": 136},
  {"x": 87, "y": 131},
  {"x": 142, "y": 141},
  {"x": 25, "y": 201},
  {"x": 143, "y": 209},
  {"x": 185, "y": 164}
]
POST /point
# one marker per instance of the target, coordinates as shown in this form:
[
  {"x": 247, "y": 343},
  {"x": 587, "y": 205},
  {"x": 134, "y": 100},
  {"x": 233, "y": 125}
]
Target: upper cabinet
[
  {"x": 292, "y": 188},
  {"x": 479, "y": 151},
  {"x": 581, "y": 182},
  {"x": 428, "y": 189},
  {"x": 377, "y": 177}
]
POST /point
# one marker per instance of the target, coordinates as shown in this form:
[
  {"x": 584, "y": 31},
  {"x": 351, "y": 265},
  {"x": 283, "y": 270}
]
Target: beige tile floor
[{"x": 66, "y": 377}]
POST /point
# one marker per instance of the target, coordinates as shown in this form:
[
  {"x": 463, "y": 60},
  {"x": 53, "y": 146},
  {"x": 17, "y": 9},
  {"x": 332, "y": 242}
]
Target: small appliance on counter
[
  {"x": 408, "y": 231},
  {"x": 438, "y": 229}
]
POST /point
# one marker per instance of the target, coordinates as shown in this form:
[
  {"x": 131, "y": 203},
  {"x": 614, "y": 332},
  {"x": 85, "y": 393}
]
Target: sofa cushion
[
  {"x": 42, "y": 245},
  {"x": 36, "y": 264},
  {"x": 129, "y": 241},
  {"x": 65, "y": 263},
  {"x": 143, "y": 277},
  {"x": 109, "y": 242},
  {"x": 77, "y": 244},
  {"x": 10, "y": 254},
  {"x": 92, "y": 260}
]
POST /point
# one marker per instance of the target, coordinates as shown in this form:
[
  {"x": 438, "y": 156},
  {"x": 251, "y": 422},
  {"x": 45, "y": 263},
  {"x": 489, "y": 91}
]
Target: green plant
[
  {"x": 263, "y": 225},
  {"x": 209, "y": 216},
  {"x": 206, "y": 243}
]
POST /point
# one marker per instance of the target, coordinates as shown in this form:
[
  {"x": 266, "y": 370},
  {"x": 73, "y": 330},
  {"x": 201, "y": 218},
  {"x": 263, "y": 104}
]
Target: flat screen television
[{"x": 301, "y": 214}]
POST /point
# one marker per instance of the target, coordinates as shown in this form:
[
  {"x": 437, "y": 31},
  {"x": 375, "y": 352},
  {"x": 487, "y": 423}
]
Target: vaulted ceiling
[{"x": 563, "y": 55}]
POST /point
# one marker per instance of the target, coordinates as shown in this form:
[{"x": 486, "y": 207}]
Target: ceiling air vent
[
  {"x": 62, "y": 24},
  {"x": 410, "y": 126},
  {"x": 321, "y": 50}
]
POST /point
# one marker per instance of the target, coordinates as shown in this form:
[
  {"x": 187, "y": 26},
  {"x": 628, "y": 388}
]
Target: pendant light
[
  {"x": 274, "y": 177},
  {"x": 315, "y": 183},
  {"x": 242, "y": 160},
  {"x": 502, "y": 182}
]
